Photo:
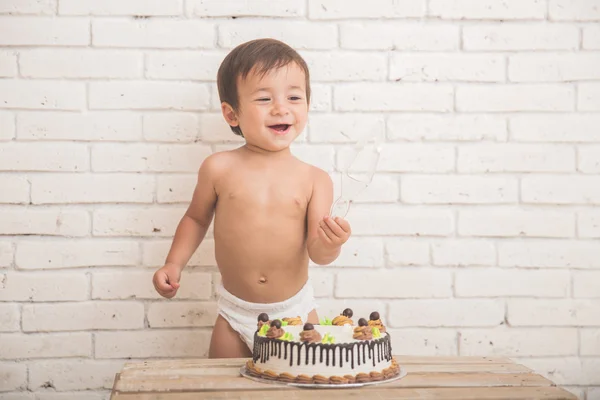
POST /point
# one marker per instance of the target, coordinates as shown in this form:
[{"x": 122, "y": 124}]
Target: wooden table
[{"x": 428, "y": 377}]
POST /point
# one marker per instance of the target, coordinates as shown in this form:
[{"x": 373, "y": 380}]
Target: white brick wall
[{"x": 478, "y": 235}]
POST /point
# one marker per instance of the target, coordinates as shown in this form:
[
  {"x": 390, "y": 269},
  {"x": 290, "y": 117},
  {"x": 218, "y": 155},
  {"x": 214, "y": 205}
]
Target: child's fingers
[
  {"x": 334, "y": 227},
  {"x": 343, "y": 224},
  {"x": 323, "y": 235}
]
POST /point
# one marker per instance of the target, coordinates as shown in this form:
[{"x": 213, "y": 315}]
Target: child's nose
[{"x": 279, "y": 109}]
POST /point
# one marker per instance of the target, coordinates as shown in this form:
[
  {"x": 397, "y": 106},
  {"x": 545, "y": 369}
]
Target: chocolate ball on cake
[
  {"x": 308, "y": 326},
  {"x": 263, "y": 317},
  {"x": 347, "y": 313},
  {"x": 362, "y": 322},
  {"x": 276, "y": 323},
  {"x": 374, "y": 316}
]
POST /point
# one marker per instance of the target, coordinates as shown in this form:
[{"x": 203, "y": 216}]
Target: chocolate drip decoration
[{"x": 361, "y": 352}]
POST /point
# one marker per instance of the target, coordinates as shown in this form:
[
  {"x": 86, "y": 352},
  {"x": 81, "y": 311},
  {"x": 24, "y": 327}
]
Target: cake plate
[{"x": 244, "y": 373}]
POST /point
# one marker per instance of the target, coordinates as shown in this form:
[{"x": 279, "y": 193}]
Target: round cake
[{"x": 334, "y": 352}]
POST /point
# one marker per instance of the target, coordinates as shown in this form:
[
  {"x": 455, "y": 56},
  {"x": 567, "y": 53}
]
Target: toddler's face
[{"x": 273, "y": 109}]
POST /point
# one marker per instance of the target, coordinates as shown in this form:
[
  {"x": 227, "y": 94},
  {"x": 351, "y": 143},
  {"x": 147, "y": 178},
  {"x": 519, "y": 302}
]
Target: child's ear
[{"x": 229, "y": 114}]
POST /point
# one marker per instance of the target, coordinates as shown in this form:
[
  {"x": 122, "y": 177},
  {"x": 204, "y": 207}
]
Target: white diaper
[{"x": 243, "y": 315}]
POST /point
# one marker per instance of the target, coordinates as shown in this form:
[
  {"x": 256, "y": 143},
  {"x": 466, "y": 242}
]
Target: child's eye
[
  {"x": 295, "y": 98},
  {"x": 263, "y": 99}
]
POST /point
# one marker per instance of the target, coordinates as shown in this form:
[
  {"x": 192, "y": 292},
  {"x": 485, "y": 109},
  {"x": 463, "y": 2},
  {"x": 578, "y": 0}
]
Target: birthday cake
[{"x": 334, "y": 352}]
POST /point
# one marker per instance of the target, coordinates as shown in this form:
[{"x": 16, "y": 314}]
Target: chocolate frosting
[
  {"x": 310, "y": 336},
  {"x": 274, "y": 332},
  {"x": 363, "y": 333},
  {"x": 377, "y": 324},
  {"x": 342, "y": 320}
]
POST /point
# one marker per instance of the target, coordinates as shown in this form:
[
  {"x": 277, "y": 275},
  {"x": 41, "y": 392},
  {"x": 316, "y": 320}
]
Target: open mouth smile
[{"x": 280, "y": 129}]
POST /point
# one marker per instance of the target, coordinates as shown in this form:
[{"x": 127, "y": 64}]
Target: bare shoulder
[
  {"x": 320, "y": 179},
  {"x": 217, "y": 163}
]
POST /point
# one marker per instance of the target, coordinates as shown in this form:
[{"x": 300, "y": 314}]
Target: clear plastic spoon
[{"x": 365, "y": 156}]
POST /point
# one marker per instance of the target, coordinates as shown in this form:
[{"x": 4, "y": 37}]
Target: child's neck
[{"x": 283, "y": 153}]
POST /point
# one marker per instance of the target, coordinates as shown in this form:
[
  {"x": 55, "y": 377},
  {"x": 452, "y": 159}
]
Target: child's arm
[
  {"x": 325, "y": 234},
  {"x": 190, "y": 231}
]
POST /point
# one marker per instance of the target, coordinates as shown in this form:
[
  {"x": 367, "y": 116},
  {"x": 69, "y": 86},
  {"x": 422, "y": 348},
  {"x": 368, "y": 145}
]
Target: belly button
[{"x": 262, "y": 279}]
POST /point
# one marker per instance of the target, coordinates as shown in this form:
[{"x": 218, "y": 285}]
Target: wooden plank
[
  {"x": 420, "y": 380},
  {"x": 232, "y": 362},
  {"x": 500, "y": 393},
  {"x": 151, "y": 373}
]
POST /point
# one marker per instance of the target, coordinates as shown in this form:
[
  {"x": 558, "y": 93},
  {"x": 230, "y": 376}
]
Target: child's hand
[
  {"x": 334, "y": 232},
  {"x": 166, "y": 280}
]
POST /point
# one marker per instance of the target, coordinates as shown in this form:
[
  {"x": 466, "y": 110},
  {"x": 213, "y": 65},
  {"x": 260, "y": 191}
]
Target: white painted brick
[
  {"x": 382, "y": 189},
  {"x": 555, "y": 128},
  {"x": 361, "y": 252},
  {"x": 320, "y": 156},
  {"x": 463, "y": 252},
  {"x": 586, "y": 284},
  {"x": 344, "y": 127},
  {"x": 487, "y": 9},
  {"x": 13, "y": 375},
  {"x": 512, "y": 221},
  {"x": 18, "y": 396},
  {"x": 591, "y": 37},
  {"x": 345, "y": 66},
  {"x": 36, "y": 221},
  {"x": 42, "y": 95},
  {"x": 8, "y": 63},
  {"x": 322, "y": 281},
  {"x": 16, "y": 189},
  {"x": 560, "y": 189},
  {"x": 6, "y": 254},
  {"x": 447, "y": 67},
  {"x": 241, "y": 8},
  {"x": 153, "y": 343},
  {"x": 44, "y": 157},
  {"x": 503, "y": 282},
  {"x": 399, "y": 283},
  {"x": 116, "y": 7},
  {"x": 7, "y": 126},
  {"x": 45, "y": 286},
  {"x": 446, "y": 312},
  {"x": 590, "y": 342},
  {"x": 181, "y": 314},
  {"x": 402, "y": 157},
  {"x": 155, "y": 253},
  {"x": 518, "y": 342},
  {"x": 556, "y": 67},
  {"x": 553, "y": 312},
  {"x": 153, "y": 33},
  {"x": 393, "y": 97},
  {"x": 90, "y": 315},
  {"x": 454, "y": 127},
  {"x": 520, "y": 36},
  {"x": 394, "y": 36},
  {"x": 80, "y": 63},
  {"x": 424, "y": 342},
  {"x": 114, "y": 126},
  {"x": 578, "y": 10},
  {"x": 361, "y": 308},
  {"x": 73, "y": 374},
  {"x": 149, "y": 95},
  {"x": 588, "y": 97},
  {"x": 200, "y": 66},
  {"x": 49, "y": 31},
  {"x": 175, "y": 188},
  {"x": 507, "y": 98},
  {"x": 148, "y": 157},
  {"x": 401, "y": 252},
  {"x": 95, "y": 188},
  {"x": 53, "y": 254},
  {"x": 214, "y": 129},
  {"x": 10, "y": 316},
  {"x": 458, "y": 189},
  {"x": 18, "y": 345},
  {"x": 322, "y": 35},
  {"x": 510, "y": 157},
  {"x": 34, "y": 7},
  {"x": 549, "y": 253},
  {"x": 136, "y": 221},
  {"x": 566, "y": 370},
  {"x": 393, "y": 220},
  {"x": 194, "y": 285},
  {"x": 381, "y": 9},
  {"x": 321, "y": 97}
]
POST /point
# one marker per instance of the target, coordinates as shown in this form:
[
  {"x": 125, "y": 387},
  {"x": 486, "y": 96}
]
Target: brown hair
[{"x": 259, "y": 56}]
